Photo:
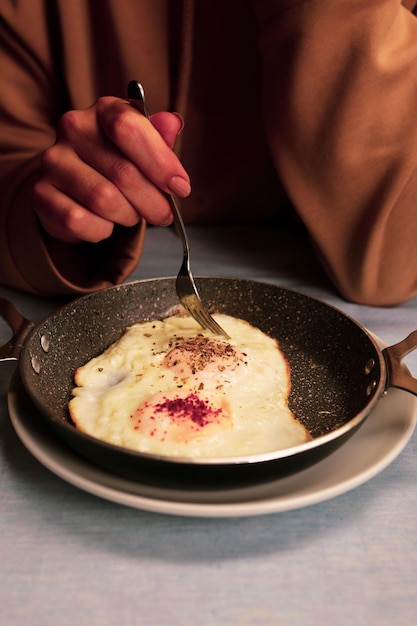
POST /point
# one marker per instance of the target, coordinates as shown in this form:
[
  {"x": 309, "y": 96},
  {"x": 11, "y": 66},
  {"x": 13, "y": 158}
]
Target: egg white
[{"x": 170, "y": 388}]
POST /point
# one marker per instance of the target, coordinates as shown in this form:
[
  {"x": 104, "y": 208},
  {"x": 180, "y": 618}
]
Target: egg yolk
[
  {"x": 181, "y": 416},
  {"x": 203, "y": 355}
]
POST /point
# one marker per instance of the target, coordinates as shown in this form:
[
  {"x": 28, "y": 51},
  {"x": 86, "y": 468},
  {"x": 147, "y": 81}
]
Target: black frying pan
[{"x": 338, "y": 372}]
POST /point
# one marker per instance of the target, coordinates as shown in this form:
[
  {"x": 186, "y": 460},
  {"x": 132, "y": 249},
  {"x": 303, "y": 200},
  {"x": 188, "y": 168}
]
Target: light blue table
[{"x": 69, "y": 557}]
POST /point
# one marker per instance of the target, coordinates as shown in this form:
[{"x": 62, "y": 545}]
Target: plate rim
[{"x": 90, "y": 478}]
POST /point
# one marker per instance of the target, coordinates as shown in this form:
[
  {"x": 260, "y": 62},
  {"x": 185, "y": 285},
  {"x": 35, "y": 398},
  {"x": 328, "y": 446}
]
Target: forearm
[{"x": 340, "y": 98}]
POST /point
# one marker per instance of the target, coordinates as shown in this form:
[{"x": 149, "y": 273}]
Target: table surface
[{"x": 70, "y": 557}]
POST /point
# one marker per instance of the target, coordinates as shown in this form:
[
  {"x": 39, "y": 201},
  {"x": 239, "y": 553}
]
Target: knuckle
[
  {"x": 73, "y": 220},
  {"x": 77, "y": 221},
  {"x": 106, "y": 202},
  {"x": 122, "y": 173},
  {"x": 69, "y": 124},
  {"x": 118, "y": 126},
  {"x": 101, "y": 195},
  {"x": 49, "y": 159}
]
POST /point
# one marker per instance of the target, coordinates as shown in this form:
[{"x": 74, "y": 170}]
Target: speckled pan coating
[{"x": 334, "y": 365}]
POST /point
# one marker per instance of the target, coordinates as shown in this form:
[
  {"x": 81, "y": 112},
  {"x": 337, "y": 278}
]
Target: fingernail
[
  {"x": 179, "y": 186},
  {"x": 181, "y": 121}
]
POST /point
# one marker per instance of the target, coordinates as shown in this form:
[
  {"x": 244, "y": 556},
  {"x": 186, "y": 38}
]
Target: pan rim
[{"x": 253, "y": 459}]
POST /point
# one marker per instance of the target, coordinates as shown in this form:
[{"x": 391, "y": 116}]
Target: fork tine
[
  {"x": 210, "y": 323},
  {"x": 192, "y": 304}
]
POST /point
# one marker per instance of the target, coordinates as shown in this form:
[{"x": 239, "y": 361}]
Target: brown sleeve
[
  {"x": 340, "y": 101},
  {"x": 33, "y": 96}
]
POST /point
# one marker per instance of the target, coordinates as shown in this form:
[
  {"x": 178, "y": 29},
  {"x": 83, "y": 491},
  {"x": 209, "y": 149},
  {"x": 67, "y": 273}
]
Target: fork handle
[{"x": 136, "y": 95}]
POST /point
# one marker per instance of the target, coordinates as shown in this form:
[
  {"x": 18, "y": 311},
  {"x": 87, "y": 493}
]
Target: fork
[{"x": 185, "y": 286}]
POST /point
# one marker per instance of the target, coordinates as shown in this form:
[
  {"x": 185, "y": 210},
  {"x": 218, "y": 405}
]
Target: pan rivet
[
  {"x": 36, "y": 366},
  {"x": 370, "y": 387},
  {"x": 45, "y": 343},
  {"x": 369, "y": 366}
]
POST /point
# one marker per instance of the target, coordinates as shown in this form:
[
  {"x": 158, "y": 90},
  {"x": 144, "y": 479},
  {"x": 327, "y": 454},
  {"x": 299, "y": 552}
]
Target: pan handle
[
  {"x": 398, "y": 376},
  {"x": 20, "y": 327}
]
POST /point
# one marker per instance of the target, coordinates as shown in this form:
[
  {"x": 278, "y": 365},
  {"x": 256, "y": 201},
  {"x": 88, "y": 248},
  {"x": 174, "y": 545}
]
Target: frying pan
[{"x": 338, "y": 371}]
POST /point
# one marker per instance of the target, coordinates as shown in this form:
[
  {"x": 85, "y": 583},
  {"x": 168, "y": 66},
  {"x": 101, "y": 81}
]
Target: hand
[{"x": 109, "y": 165}]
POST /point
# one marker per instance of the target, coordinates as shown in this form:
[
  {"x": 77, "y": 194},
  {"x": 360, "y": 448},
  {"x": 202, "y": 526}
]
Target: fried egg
[{"x": 170, "y": 388}]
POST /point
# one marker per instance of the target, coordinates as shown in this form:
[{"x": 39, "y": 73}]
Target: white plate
[{"x": 377, "y": 443}]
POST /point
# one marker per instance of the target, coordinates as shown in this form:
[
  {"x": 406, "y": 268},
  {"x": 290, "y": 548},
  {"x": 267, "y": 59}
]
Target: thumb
[{"x": 169, "y": 126}]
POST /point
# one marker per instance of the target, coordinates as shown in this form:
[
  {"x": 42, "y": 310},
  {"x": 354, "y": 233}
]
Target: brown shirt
[{"x": 325, "y": 91}]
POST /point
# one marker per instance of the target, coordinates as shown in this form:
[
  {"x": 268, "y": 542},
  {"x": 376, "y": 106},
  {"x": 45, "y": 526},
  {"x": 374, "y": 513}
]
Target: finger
[
  {"x": 120, "y": 177},
  {"x": 109, "y": 185},
  {"x": 168, "y": 125},
  {"x": 141, "y": 142},
  {"x": 66, "y": 220}
]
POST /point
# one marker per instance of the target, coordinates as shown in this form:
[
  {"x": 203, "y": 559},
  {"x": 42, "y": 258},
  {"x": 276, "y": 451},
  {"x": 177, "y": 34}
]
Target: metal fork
[{"x": 185, "y": 286}]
